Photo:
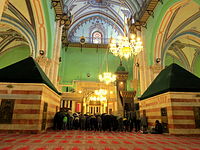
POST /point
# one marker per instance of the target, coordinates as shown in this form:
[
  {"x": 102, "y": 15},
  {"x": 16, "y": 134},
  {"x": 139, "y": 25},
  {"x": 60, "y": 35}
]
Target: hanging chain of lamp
[
  {"x": 107, "y": 77},
  {"x": 125, "y": 46}
]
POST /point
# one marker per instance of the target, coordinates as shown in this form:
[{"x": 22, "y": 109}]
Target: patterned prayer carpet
[{"x": 90, "y": 140}]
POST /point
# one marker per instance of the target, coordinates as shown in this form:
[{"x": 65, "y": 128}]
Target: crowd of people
[{"x": 100, "y": 122}]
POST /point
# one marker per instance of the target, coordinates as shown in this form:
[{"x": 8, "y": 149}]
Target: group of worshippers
[{"x": 66, "y": 120}]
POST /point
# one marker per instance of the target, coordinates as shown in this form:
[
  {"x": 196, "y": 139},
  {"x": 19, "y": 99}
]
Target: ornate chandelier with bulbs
[
  {"x": 98, "y": 98},
  {"x": 100, "y": 92},
  {"x": 107, "y": 77},
  {"x": 125, "y": 47},
  {"x": 99, "y": 95}
]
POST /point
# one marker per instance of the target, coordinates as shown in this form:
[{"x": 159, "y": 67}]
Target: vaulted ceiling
[
  {"x": 183, "y": 35},
  {"x": 113, "y": 13},
  {"x": 16, "y": 17}
]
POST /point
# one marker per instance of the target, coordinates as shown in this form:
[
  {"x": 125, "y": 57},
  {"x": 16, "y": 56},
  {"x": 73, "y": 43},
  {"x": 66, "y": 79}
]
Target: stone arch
[
  {"x": 14, "y": 24},
  {"x": 163, "y": 29},
  {"x": 41, "y": 36}
]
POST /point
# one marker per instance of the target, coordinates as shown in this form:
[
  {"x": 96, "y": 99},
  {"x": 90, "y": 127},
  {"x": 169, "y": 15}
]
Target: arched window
[{"x": 96, "y": 37}]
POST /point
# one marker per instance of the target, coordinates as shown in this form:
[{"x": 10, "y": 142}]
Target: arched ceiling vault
[
  {"x": 17, "y": 26},
  {"x": 117, "y": 11}
]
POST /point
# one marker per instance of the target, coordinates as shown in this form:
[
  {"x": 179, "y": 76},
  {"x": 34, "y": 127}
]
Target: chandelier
[
  {"x": 100, "y": 92},
  {"x": 125, "y": 47},
  {"x": 98, "y": 98},
  {"x": 107, "y": 77},
  {"x": 99, "y": 95}
]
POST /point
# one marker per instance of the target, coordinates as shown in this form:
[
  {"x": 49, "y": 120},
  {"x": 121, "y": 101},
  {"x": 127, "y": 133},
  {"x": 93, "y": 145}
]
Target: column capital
[
  {"x": 43, "y": 61},
  {"x": 156, "y": 68}
]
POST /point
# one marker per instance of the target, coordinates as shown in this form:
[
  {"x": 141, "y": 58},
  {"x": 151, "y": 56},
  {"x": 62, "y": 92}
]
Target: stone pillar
[
  {"x": 144, "y": 68},
  {"x": 73, "y": 106},
  {"x": 3, "y": 6},
  {"x": 101, "y": 108},
  {"x": 56, "y": 53}
]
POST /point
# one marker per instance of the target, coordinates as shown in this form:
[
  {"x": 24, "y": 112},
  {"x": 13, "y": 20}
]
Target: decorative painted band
[
  {"x": 169, "y": 108},
  {"x": 26, "y": 121},
  {"x": 155, "y": 109},
  {"x": 182, "y": 117},
  {"x": 181, "y": 108},
  {"x": 181, "y": 126},
  {"x": 3, "y": 92},
  {"x": 28, "y": 101},
  {"x": 29, "y": 121},
  {"x": 151, "y": 110},
  {"x": 26, "y": 111},
  {"x": 26, "y": 92},
  {"x": 177, "y": 117},
  {"x": 184, "y": 100},
  {"x": 154, "y": 117}
]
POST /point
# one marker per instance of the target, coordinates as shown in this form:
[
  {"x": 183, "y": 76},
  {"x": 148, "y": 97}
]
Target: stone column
[
  {"x": 3, "y": 6},
  {"x": 73, "y": 106},
  {"x": 101, "y": 108},
  {"x": 144, "y": 68},
  {"x": 56, "y": 53}
]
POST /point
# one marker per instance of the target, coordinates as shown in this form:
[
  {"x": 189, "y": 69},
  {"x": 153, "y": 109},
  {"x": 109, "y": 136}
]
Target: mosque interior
[{"x": 100, "y": 56}]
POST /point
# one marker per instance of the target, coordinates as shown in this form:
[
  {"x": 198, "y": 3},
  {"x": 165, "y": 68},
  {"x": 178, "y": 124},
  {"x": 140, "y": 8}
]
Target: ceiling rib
[{"x": 144, "y": 14}]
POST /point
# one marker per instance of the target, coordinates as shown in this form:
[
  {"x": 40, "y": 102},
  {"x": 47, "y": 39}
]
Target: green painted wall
[
  {"x": 169, "y": 60},
  {"x": 14, "y": 55},
  {"x": 197, "y": 67},
  {"x": 76, "y": 64},
  {"x": 49, "y": 14},
  {"x": 197, "y": 1}
]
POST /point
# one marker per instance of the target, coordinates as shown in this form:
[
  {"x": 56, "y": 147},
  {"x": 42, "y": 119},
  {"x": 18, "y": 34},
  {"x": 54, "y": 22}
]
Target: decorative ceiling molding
[
  {"x": 8, "y": 37},
  {"x": 97, "y": 7},
  {"x": 21, "y": 17},
  {"x": 80, "y": 23}
]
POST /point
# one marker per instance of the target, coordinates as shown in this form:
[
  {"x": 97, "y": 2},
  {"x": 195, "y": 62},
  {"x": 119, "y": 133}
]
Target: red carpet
[{"x": 90, "y": 140}]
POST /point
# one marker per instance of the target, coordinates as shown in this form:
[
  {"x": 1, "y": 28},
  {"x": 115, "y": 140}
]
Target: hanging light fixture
[
  {"x": 101, "y": 92},
  {"x": 99, "y": 95},
  {"x": 107, "y": 77},
  {"x": 125, "y": 46},
  {"x": 98, "y": 98}
]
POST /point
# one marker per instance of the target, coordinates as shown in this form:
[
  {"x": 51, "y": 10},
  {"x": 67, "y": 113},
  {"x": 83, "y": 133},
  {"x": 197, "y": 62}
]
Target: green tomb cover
[
  {"x": 25, "y": 71},
  {"x": 174, "y": 78}
]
